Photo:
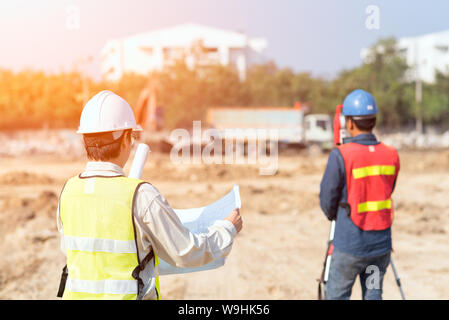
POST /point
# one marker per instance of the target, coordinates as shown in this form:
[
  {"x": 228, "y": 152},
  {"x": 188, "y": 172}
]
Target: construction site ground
[{"x": 279, "y": 253}]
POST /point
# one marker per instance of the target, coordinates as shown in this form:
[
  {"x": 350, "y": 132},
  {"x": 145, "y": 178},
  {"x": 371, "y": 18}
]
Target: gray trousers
[{"x": 345, "y": 268}]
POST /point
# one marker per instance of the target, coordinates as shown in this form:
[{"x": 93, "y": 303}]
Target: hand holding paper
[
  {"x": 236, "y": 219},
  {"x": 198, "y": 220}
]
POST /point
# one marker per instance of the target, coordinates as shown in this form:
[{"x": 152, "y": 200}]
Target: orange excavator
[{"x": 148, "y": 113}]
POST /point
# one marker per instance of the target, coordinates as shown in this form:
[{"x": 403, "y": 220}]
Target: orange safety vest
[{"x": 371, "y": 172}]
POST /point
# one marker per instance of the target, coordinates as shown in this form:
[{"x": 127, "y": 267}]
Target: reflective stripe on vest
[
  {"x": 370, "y": 175},
  {"x": 97, "y": 219},
  {"x": 360, "y": 173},
  {"x": 374, "y": 206},
  {"x": 102, "y": 286},
  {"x": 100, "y": 245}
]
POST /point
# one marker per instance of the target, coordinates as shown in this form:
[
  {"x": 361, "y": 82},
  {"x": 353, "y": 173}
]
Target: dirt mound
[
  {"x": 23, "y": 177},
  {"x": 283, "y": 239},
  {"x": 430, "y": 161},
  {"x": 422, "y": 219},
  {"x": 18, "y": 211},
  {"x": 165, "y": 170},
  {"x": 274, "y": 199}
]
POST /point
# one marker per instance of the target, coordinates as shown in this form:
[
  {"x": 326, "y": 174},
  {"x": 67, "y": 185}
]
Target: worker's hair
[
  {"x": 102, "y": 146},
  {"x": 365, "y": 124}
]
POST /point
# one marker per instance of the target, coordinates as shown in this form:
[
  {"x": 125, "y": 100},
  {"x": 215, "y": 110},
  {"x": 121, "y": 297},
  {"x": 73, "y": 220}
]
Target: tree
[
  {"x": 383, "y": 74},
  {"x": 32, "y": 99},
  {"x": 436, "y": 100}
]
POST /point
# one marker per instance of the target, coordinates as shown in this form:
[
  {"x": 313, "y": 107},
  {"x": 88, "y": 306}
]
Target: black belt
[
  {"x": 140, "y": 267},
  {"x": 63, "y": 282},
  {"x": 346, "y": 206}
]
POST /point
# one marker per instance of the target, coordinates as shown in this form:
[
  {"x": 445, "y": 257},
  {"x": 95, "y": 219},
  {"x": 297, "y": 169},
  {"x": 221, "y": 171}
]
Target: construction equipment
[
  {"x": 398, "y": 280},
  {"x": 150, "y": 115},
  {"x": 327, "y": 262},
  {"x": 340, "y": 134},
  {"x": 146, "y": 106},
  {"x": 339, "y": 127},
  {"x": 293, "y": 126}
]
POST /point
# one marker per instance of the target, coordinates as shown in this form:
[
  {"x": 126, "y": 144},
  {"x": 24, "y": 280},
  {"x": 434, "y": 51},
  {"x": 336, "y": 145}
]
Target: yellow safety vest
[{"x": 100, "y": 240}]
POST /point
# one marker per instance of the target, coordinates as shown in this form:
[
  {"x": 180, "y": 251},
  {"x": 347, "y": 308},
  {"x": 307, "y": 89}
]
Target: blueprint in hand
[{"x": 198, "y": 220}]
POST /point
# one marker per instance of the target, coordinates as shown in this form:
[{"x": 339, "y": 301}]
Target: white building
[
  {"x": 198, "y": 45},
  {"x": 424, "y": 54}
]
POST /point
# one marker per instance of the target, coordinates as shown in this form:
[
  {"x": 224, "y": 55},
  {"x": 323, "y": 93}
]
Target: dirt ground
[{"x": 280, "y": 251}]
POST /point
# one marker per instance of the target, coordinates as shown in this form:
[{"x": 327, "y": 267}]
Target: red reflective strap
[
  {"x": 331, "y": 249},
  {"x": 337, "y": 125}
]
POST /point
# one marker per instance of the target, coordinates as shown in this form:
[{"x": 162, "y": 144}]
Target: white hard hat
[{"x": 105, "y": 112}]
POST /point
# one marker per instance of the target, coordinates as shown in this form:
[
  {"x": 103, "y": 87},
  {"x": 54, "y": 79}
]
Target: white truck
[{"x": 313, "y": 131}]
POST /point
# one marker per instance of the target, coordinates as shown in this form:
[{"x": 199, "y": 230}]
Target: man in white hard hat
[{"x": 113, "y": 228}]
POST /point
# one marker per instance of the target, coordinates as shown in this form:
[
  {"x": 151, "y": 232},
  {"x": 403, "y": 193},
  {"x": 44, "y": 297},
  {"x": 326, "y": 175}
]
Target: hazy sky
[{"x": 320, "y": 36}]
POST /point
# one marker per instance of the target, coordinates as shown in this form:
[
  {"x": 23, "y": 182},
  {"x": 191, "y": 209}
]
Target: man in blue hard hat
[{"x": 356, "y": 191}]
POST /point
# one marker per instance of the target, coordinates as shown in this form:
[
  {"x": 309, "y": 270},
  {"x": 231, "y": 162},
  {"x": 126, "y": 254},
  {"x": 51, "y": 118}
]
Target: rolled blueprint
[{"x": 139, "y": 161}]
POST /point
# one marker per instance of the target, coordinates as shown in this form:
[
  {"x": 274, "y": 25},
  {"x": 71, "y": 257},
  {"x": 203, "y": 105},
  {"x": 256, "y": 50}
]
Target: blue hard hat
[{"x": 359, "y": 103}]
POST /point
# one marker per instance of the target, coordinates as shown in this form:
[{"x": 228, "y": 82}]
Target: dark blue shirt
[{"x": 348, "y": 237}]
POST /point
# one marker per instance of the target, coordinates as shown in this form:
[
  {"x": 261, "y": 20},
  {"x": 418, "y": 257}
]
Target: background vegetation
[{"x": 31, "y": 99}]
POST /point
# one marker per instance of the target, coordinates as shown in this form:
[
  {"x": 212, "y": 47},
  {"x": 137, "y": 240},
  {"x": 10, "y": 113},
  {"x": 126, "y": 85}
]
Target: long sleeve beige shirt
[{"x": 158, "y": 227}]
